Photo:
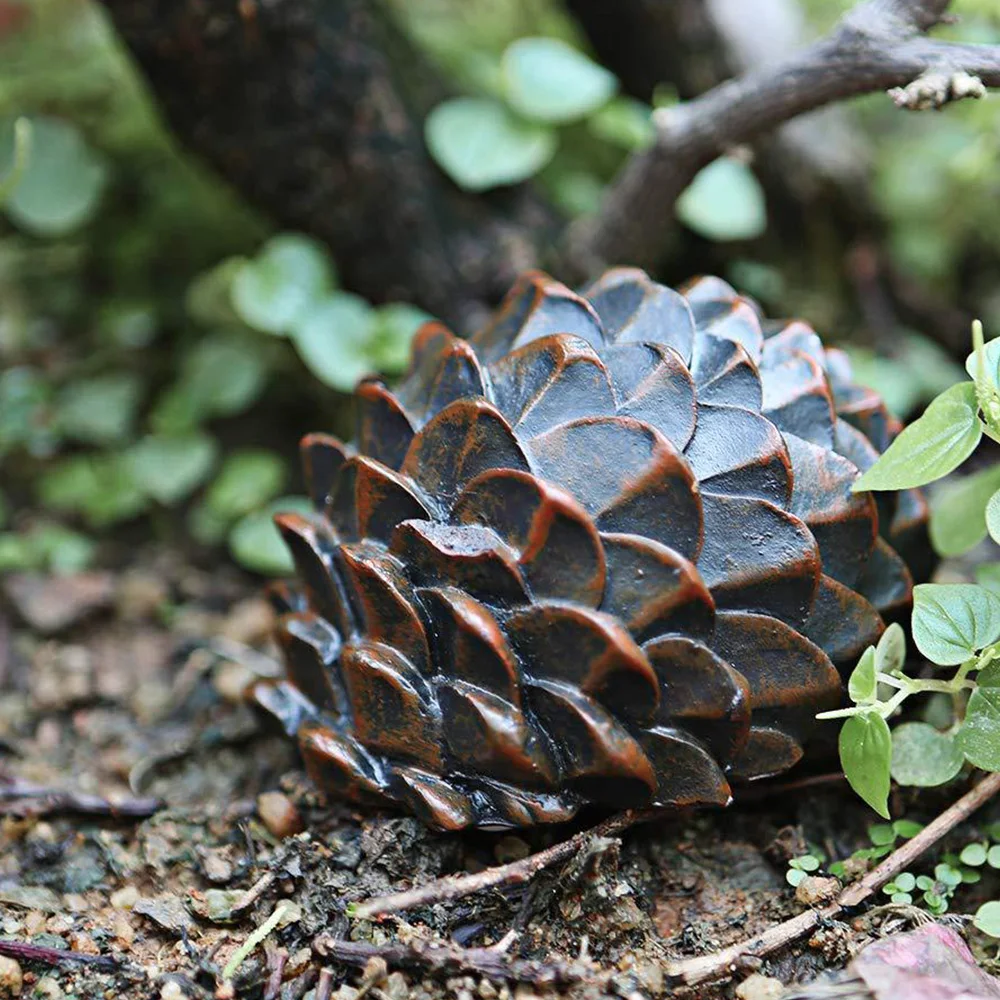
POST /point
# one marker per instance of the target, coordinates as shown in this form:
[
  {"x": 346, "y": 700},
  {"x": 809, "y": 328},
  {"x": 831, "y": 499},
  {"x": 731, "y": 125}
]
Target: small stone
[
  {"x": 758, "y": 987},
  {"x": 48, "y": 989},
  {"x": 34, "y": 923},
  {"x": 31, "y": 897},
  {"x": 486, "y": 990},
  {"x": 279, "y": 815},
  {"x": 172, "y": 991},
  {"x": 61, "y": 677},
  {"x": 140, "y": 595},
  {"x": 168, "y": 912},
  {"x": 125, "y": 898},
  {"x": 216, "y": 865},
  {"x": 11, "y": 979},
  {"x": 396, "y": 986},
  {"x": 50, "y": 604},
  {"x": 123, "y": 930},
  {"x": 231, "y": 679},
  {"x": 815, "y": 889}
]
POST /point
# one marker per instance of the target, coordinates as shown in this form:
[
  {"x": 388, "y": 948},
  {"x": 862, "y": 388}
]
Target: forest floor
[{"x": 120, "y": 688}]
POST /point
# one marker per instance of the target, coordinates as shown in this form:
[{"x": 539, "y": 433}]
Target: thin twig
[
  {"x": 878, "y": 45},
  {"x": 440, "y": 955},
  {"x": 705, "y": 968},
  {"x": 23, "y": 798},
  {"x": 516, "y": 873},
  {"x": 24, "y": 952}
]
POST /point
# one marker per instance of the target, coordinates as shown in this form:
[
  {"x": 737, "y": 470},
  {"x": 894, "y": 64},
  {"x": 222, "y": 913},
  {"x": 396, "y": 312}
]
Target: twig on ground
[
  {"x": 250, "y": 897},
  {"x": 516, "y": 873},
  {"x": 24, "y": 952},
  {"x": 449, "y": 957},
  {"x": 692, "y": 971},
  {"x": 878, "y": 45},
  {"x": 23, "y": 798},
  {"x": 276, "y": 960},
  {"x": 324, "y": 988}
]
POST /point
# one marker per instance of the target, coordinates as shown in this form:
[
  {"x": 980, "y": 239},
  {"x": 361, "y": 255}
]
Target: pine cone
[{"x": 605, "y": 551}]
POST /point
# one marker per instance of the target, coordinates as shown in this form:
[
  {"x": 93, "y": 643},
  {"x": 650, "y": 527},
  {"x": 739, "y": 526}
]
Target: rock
[
  {"x": 50, "y": 604},
  {"x": 814, "y": 890},
  {"x": 279, "y": 815},
  {"x": 169, "y": 912},
  {"x": 11, "y": 979},
  {"x": 758, "y": 987},
  {"x": 125, "y": 898}
]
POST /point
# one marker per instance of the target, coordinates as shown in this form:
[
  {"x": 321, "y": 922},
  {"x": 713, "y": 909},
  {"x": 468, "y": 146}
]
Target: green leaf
[
  {"x": 988, "y": 576},
  {"x": 991, "y": 362},
  {"x": 890, "y": 653},
  {"x": 881, "y": 834},
  {"x": 256, "y": 543},
  {"x": 275, "y": 289},
  {"x": 862, "y": 686},
  {"x": 907, "y": 828},
  {"x": 806, "y": 862},
  {"x": 865, "y": 753},
  {"x": 958, "y": 512},
  {"x": 99, "y": 486},
  {"x": 99, "y": 410},
  {"x": 905, "y": 881},
  {"x": 993, "y": 515},
  {"x": 624, "y": 122},
  {"x": 168, "y": 469},
  {"x": 948, "y": 874},
  {"x": 396, "y": 324},
  {"x": 951, "y": 621},
  {"x": 973, "y": 854},
  {"x": 549, "y": 81},
  {"x": 932, "y": 446},
  {"x": 61, "y": 186},
  {"x": 480, "y": 145},
  {"x": 795, "y": 877},
  {"x": 246, "y": 481},
  {"x": 334, "y": 340},
  {"x": 922, "y": 756},
  {"x": 987, "y": 919},
  {"x": 993, "y": 856},
  {"x": 979, "y": 736},
  {"x": 724, "y": 202}
]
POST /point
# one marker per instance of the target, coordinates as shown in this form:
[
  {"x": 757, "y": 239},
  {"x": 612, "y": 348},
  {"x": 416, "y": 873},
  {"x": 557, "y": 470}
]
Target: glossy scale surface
[{"x": 606, "y": 550}]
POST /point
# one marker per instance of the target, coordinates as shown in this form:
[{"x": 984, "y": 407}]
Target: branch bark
[{"x": 878, "y": 45}]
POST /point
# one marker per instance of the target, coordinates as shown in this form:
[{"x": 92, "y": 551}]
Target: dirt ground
[{"x": 120, "y": 688}]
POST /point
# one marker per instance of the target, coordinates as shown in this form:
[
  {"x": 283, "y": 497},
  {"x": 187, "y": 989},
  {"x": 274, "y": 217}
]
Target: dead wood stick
[
  {"x": 516, "y": 873},
  {"x": 692, "y": 971}
]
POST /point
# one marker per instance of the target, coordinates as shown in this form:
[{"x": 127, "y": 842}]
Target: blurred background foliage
[{"x": 162, "y": 348}]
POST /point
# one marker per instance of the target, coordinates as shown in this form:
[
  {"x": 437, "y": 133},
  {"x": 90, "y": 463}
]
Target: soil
[{"x": 151, "y": 822}]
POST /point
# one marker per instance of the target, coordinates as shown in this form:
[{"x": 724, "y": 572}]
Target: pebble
[
  {"x": 172, "y": 991},
  {"x": 48, "y": 989},
  {"x": 815, "y": 889},
  {"x": 11, "y": 979},
  {"x": 50, "y": 604},
  {"x": 125, "y": 898},
  {"x": 140, "y": 595},
  {"x": 758, "y": 987},
  {"x": 279, "y": 815}
]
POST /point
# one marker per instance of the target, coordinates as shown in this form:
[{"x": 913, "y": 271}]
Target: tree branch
[{"x": 878, "y": 45}]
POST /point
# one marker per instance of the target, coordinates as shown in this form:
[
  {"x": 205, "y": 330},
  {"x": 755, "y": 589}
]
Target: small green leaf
[
  {"x": 99, "y": 410},
  {"x": 991, "y": 362},
  {"x": 948, "y": 875},
  {"x": 256, "y": 543},
  {"x": 993, "y": 515},
  {"x": 907, "y": 828},
  {"x": 903, "y": 898},
  {"x": 396, "y": 325},
  {"x": 624, "y": 122},
  {"x": 979, "y": 737},
  {"x": 724, "y": 202},
  {"x": 862, "y": 686},
  {"x": 973, "y": 854},
  {"x": 246, "y": 481},
  {"x": 993, "y": 856},
  {"x": 881, "y": 834},
  {"x": 932, "y": 446},
  {"x": 170, "y": 468},
  {"x": 987, "y": 919},
  {"x": 276, "y": 288},
  {"x": 922, "y": 756},
  {"x": 549, "y": 81},
  {"x": 905, "y": 882},
  {"x": 890, "y": 653},
  {"x": 100, "y": 486},
  {"x": 480, "y": 145},
  {"x": 334, "y": 340},
  {"x": 865, "y": 753},
  {"x": 952, "y": 621},
  {"x": 806, "y": 862},
  {"x": 61, "y": 185},
  {"x": 794, "y": 877},
  {"x": 958, "y": 511}
]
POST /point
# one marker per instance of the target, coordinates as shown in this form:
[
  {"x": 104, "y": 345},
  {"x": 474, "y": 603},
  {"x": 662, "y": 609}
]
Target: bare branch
[{"x": 878, "y": 45}]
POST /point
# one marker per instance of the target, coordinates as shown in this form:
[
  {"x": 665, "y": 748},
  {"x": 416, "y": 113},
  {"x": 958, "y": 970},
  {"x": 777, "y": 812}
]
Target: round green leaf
[
  {"x": 724, "y": 202},
  {"x": 993, "y": 856},
  {"x": 397, "y": 322},
  {"x": 993, "y": 515},
  {"x": 246, "y": 481},
  {"x": 334, "y": 340},
  {"x": 987, "y": 919},
  {"x": 979, "y": 737},
  {"x": 881, "y": 834},
  {"x": 922, "y": 756},
  {"x": 170, "y": 468},
  {"x": 932, "y": 446},
  {"x": 865, "y": 753},
  {"x": 862, "y": 686},
  {"x": 256, "y": 543},
  {"x": 549, "y": 81},
  {"x": 100, "y": 486},
  {"x": 890, "y": 653},
  {"x": 959, "y": 512},
  {"x": 906, "y": 828},
  {"x": 991, "y": 363},
  {"x": 973, "y": 854},
  {"x": 794, "y": 877},
  {"x": 272, "y": 291},
  {"x": 99, "y": 410},
  {"x": 61, "y": 185},
  {"x": 905, "y": 882},
  {"x": 952, "y": 621},
  {"x": 624, "y": 122},
  {"x": 480, "y": 145}
]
